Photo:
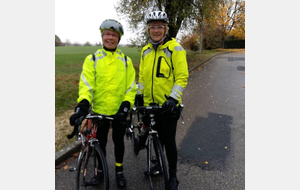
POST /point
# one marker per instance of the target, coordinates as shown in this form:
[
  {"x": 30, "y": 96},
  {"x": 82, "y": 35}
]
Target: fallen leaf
[
  {"x": 65, "y": 167},
  {"x": 206, "y": 162},
  {"x": 76, "y": 154},
  {"x": 225, "y": 147}
]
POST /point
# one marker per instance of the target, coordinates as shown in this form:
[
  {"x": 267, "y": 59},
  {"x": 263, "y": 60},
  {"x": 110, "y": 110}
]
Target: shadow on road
[{"x": 206, "y": 143}]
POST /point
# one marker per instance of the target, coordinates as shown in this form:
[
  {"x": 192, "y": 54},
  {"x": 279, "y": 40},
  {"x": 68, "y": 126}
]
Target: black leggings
[{"x": 118, "y": 132}]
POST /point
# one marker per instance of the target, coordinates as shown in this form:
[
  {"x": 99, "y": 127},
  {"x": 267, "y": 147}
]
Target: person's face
[
  {"x": 157, "y": 30},
  {"x": 110, "y": 39}
]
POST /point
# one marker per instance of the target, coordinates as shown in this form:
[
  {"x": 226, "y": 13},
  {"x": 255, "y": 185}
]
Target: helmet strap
[{"x": 156, "y": 44}]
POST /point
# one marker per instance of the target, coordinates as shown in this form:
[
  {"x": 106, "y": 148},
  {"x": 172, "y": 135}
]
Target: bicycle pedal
[
  {"x": 152, "y": 173},
  {"x": 72, "y": 169}
]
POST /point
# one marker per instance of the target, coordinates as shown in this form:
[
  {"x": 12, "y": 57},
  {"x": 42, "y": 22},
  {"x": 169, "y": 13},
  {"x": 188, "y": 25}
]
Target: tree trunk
[{"x": 201, "y": 34}]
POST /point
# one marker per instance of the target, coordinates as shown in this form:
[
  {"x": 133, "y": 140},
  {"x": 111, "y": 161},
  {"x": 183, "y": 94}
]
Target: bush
[{"x": 190, "y": 41}]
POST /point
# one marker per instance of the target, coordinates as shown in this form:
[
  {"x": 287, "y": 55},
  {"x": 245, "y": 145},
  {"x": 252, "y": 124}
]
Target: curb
[
  {"x": 207, "y": 60},
  {"x": 74, "y": 147},
  {"x": 67, "y": 152}
]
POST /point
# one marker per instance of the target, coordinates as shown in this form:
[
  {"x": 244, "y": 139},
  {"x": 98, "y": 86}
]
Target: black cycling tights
[{"x": 118, "y": 132}]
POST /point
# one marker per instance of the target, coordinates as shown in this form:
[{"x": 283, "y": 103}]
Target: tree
[
  {"x": 217, "y": 20},
  {"x": 68, "y": 42},
  {"x": 57, "y": 41},
  {"x": 134, "y": 12},
  {"x": 230, "y": 18},
  {"x": 238, "y": 29},
  {"x": 87, "y": 44},
  {"x": 202, "y": 10}
]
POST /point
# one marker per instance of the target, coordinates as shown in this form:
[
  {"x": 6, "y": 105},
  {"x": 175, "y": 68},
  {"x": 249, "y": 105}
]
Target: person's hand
[
  {"x": 170, "y": 104},
  {"x": 81, "y": 111},
  {"x": 122, "y": 113},
  {"x": 139, "y": 100}
]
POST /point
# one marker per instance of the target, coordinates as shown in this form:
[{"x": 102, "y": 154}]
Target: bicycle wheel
[
  {"x": 92, "y": 170},
  {"x": 133, "y": 129},
  {"x": 156, "y": 156}
]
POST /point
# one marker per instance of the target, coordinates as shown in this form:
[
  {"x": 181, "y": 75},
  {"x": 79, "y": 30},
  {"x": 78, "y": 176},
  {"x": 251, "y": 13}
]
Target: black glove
[
  {"x": 170, "y": 104},
  {"x": 139, "y": 100},
  {"x": 81, "y": 110},
  {"x": 123, "y": 111}
]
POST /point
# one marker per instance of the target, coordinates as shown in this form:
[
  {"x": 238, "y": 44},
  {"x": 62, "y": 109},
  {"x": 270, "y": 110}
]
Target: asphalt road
[{"x": 211, "y": 142}]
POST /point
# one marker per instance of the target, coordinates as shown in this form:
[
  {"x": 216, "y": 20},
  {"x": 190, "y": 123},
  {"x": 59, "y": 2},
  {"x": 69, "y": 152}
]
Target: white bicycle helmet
[
  {"x": 111, "y": 24},
  {"x": 157, "y": 15}
]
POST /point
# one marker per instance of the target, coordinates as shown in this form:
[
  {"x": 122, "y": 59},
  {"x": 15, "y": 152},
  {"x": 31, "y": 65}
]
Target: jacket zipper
[{"x": 153, "y": 76}]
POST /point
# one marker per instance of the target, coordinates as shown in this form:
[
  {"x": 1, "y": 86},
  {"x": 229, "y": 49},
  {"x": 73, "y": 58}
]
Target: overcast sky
[{"x": 79, "y": 21}]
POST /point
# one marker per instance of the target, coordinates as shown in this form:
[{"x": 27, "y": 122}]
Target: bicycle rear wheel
[
  {"x": 156, "y": 156},
  {"x": 92, "y": 170}
]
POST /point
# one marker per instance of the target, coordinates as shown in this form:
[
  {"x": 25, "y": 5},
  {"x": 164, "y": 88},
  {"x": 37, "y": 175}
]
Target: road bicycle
[
  {"x": 148, "y": 136},
  {"x": 92, "y": 169}
]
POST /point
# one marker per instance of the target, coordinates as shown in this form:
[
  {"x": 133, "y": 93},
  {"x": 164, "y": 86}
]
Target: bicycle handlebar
[
  {"x": 153, "y": 107},
  {"x": 79, "y": 121},
  {"x": 101, "y": 117}
]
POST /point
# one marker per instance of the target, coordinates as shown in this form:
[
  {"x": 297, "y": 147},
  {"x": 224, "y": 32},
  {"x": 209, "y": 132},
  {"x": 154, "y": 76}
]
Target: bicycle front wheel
[
  {"x": 92, "y": 170},
  {"x": 158, "y": 180},
  {"x": 134, "y": 126}
]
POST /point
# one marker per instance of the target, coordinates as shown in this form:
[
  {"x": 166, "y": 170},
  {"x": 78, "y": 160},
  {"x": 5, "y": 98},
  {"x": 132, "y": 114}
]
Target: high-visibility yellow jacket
[
  {"x": 162, "y": 72},
  {"x": 107, "y": 82}
]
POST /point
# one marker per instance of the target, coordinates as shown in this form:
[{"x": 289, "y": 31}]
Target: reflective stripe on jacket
[
  {"x": 107, "y": 82},
  {"x": 162, "y": 72}
]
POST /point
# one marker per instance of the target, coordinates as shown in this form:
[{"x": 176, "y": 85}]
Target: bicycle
[
  {"x": 95, "y": 173},
  {"x": 155, "y": 154}
]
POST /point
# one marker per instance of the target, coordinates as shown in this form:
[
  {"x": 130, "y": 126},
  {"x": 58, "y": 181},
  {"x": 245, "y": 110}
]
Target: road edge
[
  {"x": 67, "y": 152},
  {"x": 207, "y": 60}
]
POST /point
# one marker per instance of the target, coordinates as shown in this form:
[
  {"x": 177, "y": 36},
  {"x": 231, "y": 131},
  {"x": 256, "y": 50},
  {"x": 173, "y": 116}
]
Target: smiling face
[
  {"x": 110, "y": 39},
  {"x": 157, "y": 30}
]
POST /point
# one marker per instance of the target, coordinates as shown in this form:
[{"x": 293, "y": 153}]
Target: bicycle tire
[
  {"x": 135, "y": 128},
  {"x": 160, "y": 181},
  {"x": 89, "y": 161}
]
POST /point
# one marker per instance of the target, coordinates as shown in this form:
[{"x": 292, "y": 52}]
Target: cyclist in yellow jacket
[
  {"x": 163, "y": 75},
  {"x": 107, "y": 86}
]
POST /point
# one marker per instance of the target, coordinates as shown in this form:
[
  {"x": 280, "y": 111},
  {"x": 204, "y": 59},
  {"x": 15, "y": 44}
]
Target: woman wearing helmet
[
  {"x": 163, "y": 75},
  {"x": 107, "y": 84}
]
